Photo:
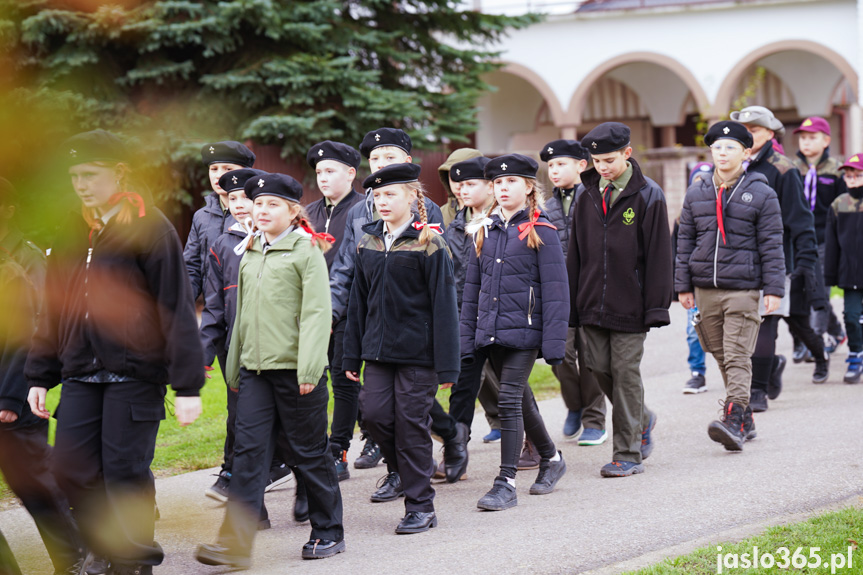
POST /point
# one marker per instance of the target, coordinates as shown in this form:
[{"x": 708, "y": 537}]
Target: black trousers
[
  {"x": 800, "y": 327},
  {"x": 8, "y": 565},
  {"x": 267, "y": 401},
  {"x": 25, "y": 460},
  {"x": 396, "y": 401},
  {"x": 765, "y": 350},
  {"x": 106, "y": 436},
  {"x": 346, "y": 394}
]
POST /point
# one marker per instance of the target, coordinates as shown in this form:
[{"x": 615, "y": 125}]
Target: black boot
[
  {"x": 455, "y": 456},
  {"x": 389, "y": 488},
  {"x": 761, "y": 370},
  {"x": 822, "y": 369},
  {"x": 301, "y": 503},
  {"x": 774, "y": 384},
  {"x": 729, "y": 429}
]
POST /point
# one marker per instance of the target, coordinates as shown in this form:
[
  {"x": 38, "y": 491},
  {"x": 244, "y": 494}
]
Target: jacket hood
[{"x": 457, "y": 156}]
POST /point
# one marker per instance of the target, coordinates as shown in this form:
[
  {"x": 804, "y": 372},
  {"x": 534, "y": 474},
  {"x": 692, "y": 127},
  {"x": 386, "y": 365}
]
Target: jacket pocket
[
  {"x": 405, "y": 261},
  {"x": 531, "y": 303}
]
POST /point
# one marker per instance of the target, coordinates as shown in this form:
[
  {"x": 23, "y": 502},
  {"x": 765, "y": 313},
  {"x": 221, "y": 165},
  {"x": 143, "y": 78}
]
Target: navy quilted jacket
[{"x": 516, "y": 296}]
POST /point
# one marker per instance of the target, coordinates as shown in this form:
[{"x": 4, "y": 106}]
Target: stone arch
[
  {"x": 554, "y": 107},
  {"x": 576, "y": 104},
  {"x": 726, "y": 91}
]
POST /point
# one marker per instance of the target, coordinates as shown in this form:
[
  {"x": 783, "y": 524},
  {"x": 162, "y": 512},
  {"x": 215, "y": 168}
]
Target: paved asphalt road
[{"x": 807, "y": 457}]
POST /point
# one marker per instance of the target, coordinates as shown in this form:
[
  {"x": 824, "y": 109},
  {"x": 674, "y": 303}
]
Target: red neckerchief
[
  {"x": 134, "y": 199},
  {"x": 525, "y": 227},
  {"x": 719, "y": 219},
  {"x": 606, "y": 192}
]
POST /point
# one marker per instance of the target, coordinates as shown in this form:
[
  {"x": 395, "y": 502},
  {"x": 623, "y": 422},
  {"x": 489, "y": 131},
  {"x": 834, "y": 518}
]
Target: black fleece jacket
[
  {"x": 118, "y": 300},
  {"x": 619, "y": 265}
]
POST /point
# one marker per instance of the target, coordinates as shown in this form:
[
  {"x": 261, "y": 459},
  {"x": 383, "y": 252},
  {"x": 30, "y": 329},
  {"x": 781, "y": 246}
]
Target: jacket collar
[
  {"x": 517, "y": 218},
  {"x": 824, "y": 157},
  {"x": 212, "y": 204},
  {"x": 286, "y": 244},
  {"x": 377, "y": 229},
  {"x": 590, "y": 178}
]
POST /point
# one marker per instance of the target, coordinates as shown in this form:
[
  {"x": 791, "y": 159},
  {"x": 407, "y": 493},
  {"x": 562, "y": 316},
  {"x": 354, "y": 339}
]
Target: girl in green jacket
[{"x": 278, "y": 359}]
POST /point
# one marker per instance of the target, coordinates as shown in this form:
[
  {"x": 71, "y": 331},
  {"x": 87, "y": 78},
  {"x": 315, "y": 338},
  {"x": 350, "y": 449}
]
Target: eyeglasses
[
  {"x": 853, "y": 177},
  {"x": 729, "y": 148}
]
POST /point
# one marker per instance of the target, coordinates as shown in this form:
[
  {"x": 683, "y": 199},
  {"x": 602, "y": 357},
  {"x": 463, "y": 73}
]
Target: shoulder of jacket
[
  {"x": 782, "y": 163},
  {"x": 830, "y": 167},
  {"x": 652, "y": 192}
]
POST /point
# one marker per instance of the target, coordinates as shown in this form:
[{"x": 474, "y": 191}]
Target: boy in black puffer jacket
[{"x": 729, "y": 247}]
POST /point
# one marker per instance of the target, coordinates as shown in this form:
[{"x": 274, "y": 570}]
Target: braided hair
[
  {"x": 535, "y": 203},
  {"x": 426, "y": 233}
]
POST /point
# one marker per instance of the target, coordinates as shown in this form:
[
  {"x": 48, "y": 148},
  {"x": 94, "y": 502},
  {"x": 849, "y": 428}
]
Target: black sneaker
[
  {"x": 758, "y": 400},
  {"x": 341, "y": 461},
  {"x": 501, "y": 496},
  {"x": 389, "y": 488},
  {"x": 550, "y": 473},
  {"x": 774, "y": 385},
  {"x": 729, "y": 429},
  {"x": 696, "y": 384},
  {"x": 749, "y": 424},
  {"x": 279, "y": 475},
  {"x": 822, "y": 369},
  {"x": 371, "y": 455},
  {"x": 219, "y": 489},
  {"x": 801, "y": 352}
]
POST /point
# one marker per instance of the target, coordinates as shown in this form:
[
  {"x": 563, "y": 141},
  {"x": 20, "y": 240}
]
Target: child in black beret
[
  {"x": 403, "y": 323},
  {"x": 620, "y": 272}
]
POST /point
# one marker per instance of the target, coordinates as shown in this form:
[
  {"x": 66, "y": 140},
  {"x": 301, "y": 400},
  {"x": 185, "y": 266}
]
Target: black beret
[
  {"x": 229, "y": 152},
  {"x": 564, "y": 149},
  {"x": 279, "y": 185},
  {"x": 472, "y": 169},
  {"x": 393, "y": 174},
  {"x": 385, "y": 137},
  {"x": 95, "y": 146},
  {"x": 606, "y": 137},
  {"x": 511, "y": 165},
  {"x": 337, "y": 151},
  {"x": 236, "y": 179},
  {"x": 728, "y": 130}
]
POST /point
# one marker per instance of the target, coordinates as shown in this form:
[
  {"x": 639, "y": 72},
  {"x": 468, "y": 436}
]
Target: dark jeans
[
  {"x": 765, "y": 349},
  {"x": 853, "y": 309},
  {"x": 519, "y": 414},
  {"x": 106, "y": 436},
  {"x": 396, "y": 401},
  {"x": 270, "y": 400},
  {"x": 800, "y": 327},
  {"x": 25, "y": 460},
  {"x": 346, "y": 394}
]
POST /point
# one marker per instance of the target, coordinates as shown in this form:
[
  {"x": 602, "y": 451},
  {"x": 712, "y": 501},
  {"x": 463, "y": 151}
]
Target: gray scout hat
[{"x": 759, "y": 116}]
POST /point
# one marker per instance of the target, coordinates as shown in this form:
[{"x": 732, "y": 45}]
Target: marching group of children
[{"x": 394, "y": 298}]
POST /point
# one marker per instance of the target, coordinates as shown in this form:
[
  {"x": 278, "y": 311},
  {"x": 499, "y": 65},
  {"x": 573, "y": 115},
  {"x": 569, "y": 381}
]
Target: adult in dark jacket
[
  {"x": 335, "y": 166},
  {"x": 117, "y": 326},
  {"x": 213, "y": 219},
  {"x": 729, "y": 248},
  {"x": 514, "y": 310},
  {"x": 620, "y": 271},
  {"x": 801, "y": 250},
  {"x": 584, "y": 400}
]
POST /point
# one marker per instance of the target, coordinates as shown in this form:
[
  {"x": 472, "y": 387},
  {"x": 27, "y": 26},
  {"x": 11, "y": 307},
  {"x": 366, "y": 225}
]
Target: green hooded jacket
[{"x": 283, "y": 310}]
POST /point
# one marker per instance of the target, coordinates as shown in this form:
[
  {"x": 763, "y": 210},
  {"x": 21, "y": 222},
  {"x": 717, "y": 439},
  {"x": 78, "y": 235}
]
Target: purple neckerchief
[
  {"x": 810, "y": 186},
  {"x": 746, "y": 164}
]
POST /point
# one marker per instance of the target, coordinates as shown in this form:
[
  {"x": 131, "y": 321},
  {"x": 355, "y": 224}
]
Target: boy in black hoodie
[{"x": 620, "y": 269}]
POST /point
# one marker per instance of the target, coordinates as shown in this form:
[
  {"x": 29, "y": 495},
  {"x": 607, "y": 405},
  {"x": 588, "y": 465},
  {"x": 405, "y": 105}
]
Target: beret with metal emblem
[
  {"x": 235, "y": 180},
  {"x": 472, "y": 169},
  {"x": 94, "y": 146},
  {"x": 279, "y": 185},
  {"x": 511, "y": 165},
  {"x": 607, "y": 137},
  {"x": 329, "y": 150},
  {"x": 385, "y": 137},
  {"x": 564, "y": 149},
  {"x": 728, "y": 130},
  {"x": 228, "y": 152},
  {"x": 393, "y": 174}
]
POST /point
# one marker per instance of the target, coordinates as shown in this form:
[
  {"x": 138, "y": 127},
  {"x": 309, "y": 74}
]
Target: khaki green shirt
[
  {"x": 618, "y": 185},
  {"x": 566, "y": 199}
]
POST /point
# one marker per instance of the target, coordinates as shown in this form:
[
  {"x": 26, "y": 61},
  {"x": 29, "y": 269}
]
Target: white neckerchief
[{"x": 249, "y": 227}]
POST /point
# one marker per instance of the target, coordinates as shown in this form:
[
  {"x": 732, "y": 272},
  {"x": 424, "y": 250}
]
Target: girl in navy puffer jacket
[{"x": 515, "y": 308}]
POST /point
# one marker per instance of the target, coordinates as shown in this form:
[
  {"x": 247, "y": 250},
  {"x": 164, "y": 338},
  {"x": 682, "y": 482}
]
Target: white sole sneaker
[
  {"x": 598, "y": 441},
  {"x": 282, "y": 481}
]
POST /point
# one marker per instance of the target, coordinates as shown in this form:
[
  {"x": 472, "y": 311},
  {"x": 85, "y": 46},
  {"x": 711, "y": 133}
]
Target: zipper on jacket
[
  {"x": 383, "y": 290},
  {"x": 716, "y": 247},
  {"x": 257, "y": 311},
  {"x": 530, "y": 303},
  {"x": 87, "y": 281}
]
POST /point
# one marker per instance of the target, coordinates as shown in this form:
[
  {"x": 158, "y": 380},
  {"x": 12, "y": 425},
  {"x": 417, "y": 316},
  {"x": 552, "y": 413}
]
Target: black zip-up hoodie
[
  {"x": 620, "y": 269},
  {"x": 338, "y": 221},
  {"x": 118, "y": 300},
  {"x": 403, "y": 304}
]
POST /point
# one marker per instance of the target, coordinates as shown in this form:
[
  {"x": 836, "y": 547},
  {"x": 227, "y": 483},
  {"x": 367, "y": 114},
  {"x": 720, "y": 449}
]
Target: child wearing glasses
[
  {"x": 729, "y": 249},
  {"x": 842, "y": 239}
]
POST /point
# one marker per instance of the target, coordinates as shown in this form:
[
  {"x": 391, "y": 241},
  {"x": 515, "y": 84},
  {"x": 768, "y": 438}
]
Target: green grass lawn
[
  {"x": 200, "y": 446},
  {"x": 833, "y": 533}
]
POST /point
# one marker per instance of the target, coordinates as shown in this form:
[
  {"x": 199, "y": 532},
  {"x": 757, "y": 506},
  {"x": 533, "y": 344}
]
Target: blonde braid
[
  {"x": 479, "y": 235},
  {"x": 533, "y": 239},
  {"x": 426, "y": 233}
]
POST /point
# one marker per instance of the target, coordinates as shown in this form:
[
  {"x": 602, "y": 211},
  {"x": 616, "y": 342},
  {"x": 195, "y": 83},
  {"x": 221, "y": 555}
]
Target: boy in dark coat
[
  {"x": 584, "y": 400},
  {"x": 729, "y": 247},
  {"x": 620, "y": 270}
]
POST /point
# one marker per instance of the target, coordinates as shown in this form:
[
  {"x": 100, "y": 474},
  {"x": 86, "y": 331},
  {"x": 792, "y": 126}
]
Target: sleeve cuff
[
  {"x": 10, "y": 404},
  {"x": 656, "y": 317},
  {"x": 352, "y": 364},
  {"x": 447, "y": 376}
]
